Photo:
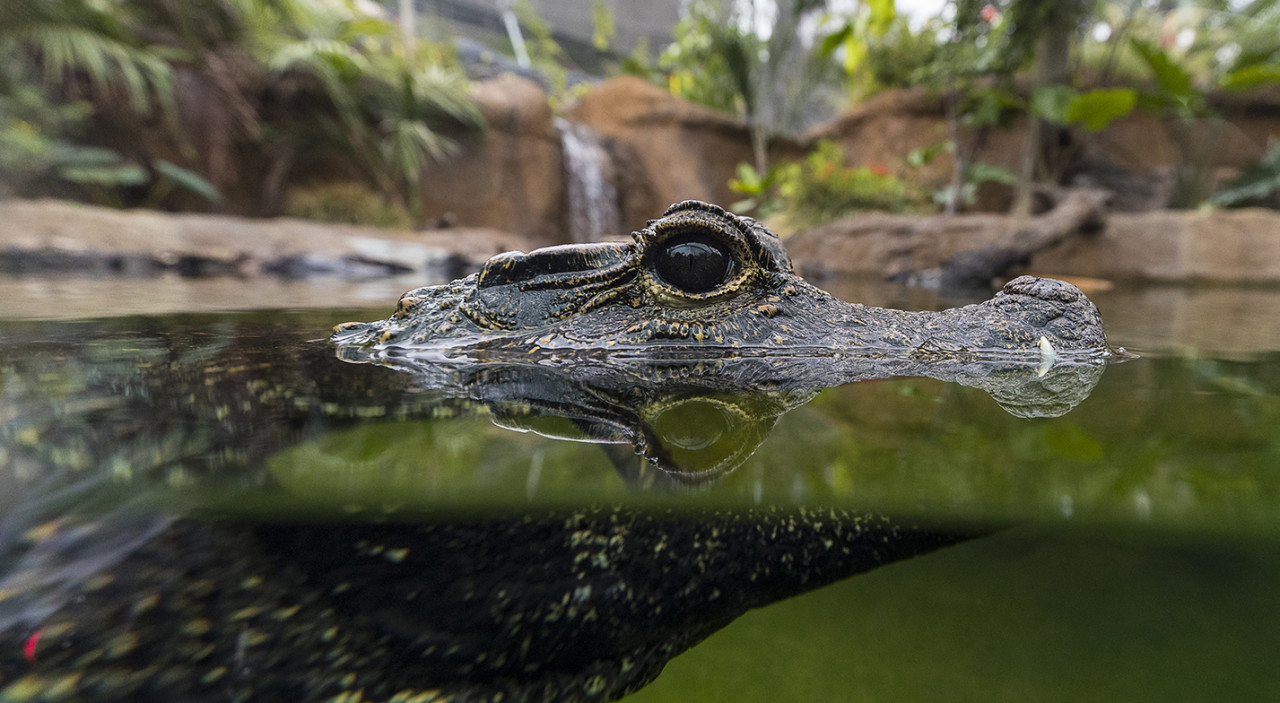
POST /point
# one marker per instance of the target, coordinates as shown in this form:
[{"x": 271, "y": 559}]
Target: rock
[
  {"x": 1226, "y": 246},
  {"x": 882, "y": 130},
  {"x": 1134, "y": 155},
  {"x": 940, "y": 251},
  {"x": 509, "y": 177},
  {"x": 43, "y": 236},
  {"x": 1237, "y": 246},
  {"x": 668, "y": 149}
]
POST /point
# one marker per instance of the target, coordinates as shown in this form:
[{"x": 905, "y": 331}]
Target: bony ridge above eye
[{"x": 694, "y": 261}]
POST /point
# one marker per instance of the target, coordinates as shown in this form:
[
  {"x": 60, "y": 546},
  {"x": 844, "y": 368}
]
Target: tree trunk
[
  {"x": 408, "y": 26},
  {"x": 959, "y": 164},
  {"x": 1041, "y": 157}
]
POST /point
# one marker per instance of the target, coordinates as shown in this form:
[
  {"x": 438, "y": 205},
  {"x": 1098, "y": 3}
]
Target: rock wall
[
  {"x": 1238, "y": 246},
  {"x": 510, "y": 176},
  {"x": 1134, "y": 156},
  {"x": 664, "y": 150},
  {"x": 667, "y": 149},
  {"x": 1227, "y": 246}
]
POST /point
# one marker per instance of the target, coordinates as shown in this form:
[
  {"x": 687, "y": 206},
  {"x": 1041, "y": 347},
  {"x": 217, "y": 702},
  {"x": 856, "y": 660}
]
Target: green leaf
[
  {"x": 1171, "y": 77},
  {"x": 920, "y": 157},
  {"x": 983, "y": 172},
  {"x": 833, "y": 41},
  {"x": 1052, "y": 102},
  {"x": 120, "y": 175},
  {"x": 749, "y": 179},
  {"x": 1254, "y": 76},
  {"x": 188, "y": 179},
  {"x": 1097, "y": 108},
  {"x": 366, "y": 27},
  {"x": 75, "y": 156},
  {"x": 1257, "y": 181},
  {"x": 883, "y": 13}
]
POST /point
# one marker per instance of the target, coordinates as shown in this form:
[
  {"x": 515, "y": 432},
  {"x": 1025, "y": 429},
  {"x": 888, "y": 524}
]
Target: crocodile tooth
[{"x": 1048, "y": 355}]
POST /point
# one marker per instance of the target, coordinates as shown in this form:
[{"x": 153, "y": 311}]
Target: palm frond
[
  {"x": 65, "y": 51},
  {"x": 447, "y": 90}
]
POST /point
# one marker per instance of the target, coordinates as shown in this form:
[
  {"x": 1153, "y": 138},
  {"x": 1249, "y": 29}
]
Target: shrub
[
  {"x": 898, "y": 59},
  {"x": 821, "y": 188},
  {"x": 347, "y": 202}
]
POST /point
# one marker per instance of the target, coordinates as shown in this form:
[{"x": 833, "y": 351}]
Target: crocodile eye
[{"x": 694, "y": 262}]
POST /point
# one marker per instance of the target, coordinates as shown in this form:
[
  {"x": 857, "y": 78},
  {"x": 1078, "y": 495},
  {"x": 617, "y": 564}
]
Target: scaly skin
[{"x": 612, "y": 297}]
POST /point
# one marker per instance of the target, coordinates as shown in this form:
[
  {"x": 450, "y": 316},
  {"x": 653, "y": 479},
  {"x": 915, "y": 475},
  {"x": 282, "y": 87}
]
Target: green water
[
  {"x": 1029, "y": 615},
  {"x": 1140, "y": 560},
  {"x": 1181, "y": 444}
]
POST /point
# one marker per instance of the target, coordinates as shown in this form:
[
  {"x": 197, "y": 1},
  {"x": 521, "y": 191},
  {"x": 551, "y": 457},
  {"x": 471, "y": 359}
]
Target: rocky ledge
[{"x": 50, "y": 236}]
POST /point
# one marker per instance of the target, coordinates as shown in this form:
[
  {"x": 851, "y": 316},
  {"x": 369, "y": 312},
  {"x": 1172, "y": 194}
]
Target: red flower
[
  {"x": 989, "y": 13},
  {"x": 29, "y": 649}
]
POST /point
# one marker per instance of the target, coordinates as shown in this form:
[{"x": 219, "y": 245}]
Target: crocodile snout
[
  {"x": 559, "y": 263},
  {"x": 1049, "y": 289}
]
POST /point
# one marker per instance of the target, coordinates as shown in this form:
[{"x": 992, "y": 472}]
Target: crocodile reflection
[{"x": 693, "y": 419}]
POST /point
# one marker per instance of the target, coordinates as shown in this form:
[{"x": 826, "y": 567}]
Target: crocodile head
[{"x": 700, "y": 278}]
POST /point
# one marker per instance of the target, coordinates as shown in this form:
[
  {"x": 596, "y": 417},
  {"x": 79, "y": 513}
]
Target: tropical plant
[
  {"x": 545, "y": 53},
  {"x": 866, "y": 48},
  {"x": 225, "y": 78},
  {"x": 723, "y": 58},
  {"x": 897, "y": 58},
  {"x": 820, "y": 188},
  {"x": 1179, "y": 57},
  {"x": 56, "y": 61},
  {"x": 761, "y": 190},
  {"x": 347, "y": 202},
  {"x": 82, "y": 47},
  {"x": 385, "y": 112},
  {"x": 1257, "y": 184}
]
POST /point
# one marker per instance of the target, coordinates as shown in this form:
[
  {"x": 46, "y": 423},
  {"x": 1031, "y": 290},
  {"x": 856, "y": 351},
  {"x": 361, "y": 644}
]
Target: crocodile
[
  {"x": 703, "y": 280},
  {"x": 119, "y": 583}
]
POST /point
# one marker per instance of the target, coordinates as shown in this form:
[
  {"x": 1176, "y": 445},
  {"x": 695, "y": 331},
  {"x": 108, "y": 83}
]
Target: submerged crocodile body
[
  {"x": 702, "y": 279},
  {"x": 121, "y": 579}
]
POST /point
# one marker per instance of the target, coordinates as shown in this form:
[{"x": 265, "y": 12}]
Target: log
[{"x": 940, "y": 251}]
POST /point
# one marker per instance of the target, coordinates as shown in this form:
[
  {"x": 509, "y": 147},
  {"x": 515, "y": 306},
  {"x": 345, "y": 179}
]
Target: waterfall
[{"x": 592, "y": 196}]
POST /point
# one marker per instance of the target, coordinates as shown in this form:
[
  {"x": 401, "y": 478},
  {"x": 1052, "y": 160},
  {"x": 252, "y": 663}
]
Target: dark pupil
[{"x": 694, "y": 263}]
